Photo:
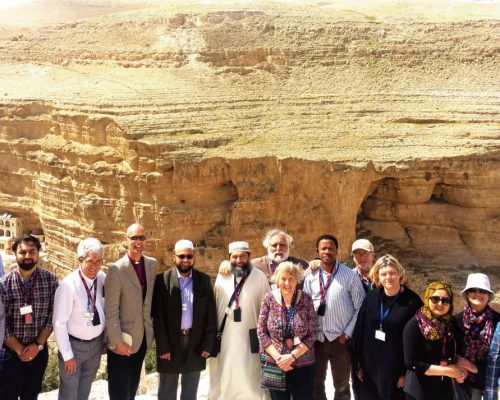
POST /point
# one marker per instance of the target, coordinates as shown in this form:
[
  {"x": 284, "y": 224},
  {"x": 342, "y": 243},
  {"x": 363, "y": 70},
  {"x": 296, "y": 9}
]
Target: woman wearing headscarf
[
  {"x": 477, "y": 323},
  {"x": 431, "y": 347},
  {"x": 377, "y": 341}
]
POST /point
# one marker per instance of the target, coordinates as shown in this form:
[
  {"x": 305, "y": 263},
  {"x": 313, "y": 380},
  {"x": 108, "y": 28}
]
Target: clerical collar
[{"x": 134, "y": 262}]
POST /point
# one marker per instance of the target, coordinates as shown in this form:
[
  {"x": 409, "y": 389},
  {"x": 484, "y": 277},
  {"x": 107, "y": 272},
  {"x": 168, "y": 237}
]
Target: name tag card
[
  {"x": 26, "y": 310},
  {"x": 380, "y": 335}
]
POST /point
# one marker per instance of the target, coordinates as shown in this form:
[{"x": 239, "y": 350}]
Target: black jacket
[{"x": 167, "y": 313}]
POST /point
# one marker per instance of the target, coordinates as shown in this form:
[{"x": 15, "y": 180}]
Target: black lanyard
[
  {"x": 90, "y": 300},
  {"x": 237, "y": 290}
]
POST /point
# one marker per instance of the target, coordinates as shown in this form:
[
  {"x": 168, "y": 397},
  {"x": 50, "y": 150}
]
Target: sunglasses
[
  {"x": 477, "y": 290},
  {"x": 184, "y": 256},
  {"x": 141, "y": 238},
  {"x": 442, "y": 300}
]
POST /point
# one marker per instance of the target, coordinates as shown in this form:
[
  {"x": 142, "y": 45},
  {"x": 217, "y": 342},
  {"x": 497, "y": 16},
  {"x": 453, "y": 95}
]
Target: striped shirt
[
  {"x": 493, "y": 368},
  {"x": 343, "y": 301}
]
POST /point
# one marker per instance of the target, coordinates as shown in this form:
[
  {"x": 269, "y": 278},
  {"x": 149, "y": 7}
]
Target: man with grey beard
[
  {"x": 238, "y": 298},
  {"x": 277, "y": 243}
]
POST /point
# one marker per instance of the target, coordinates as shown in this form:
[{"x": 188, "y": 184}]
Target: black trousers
[
  {"x": 23, "y": 380},
  {"x": 124, "y": 373},
  {"x": 299, "y": 384}
]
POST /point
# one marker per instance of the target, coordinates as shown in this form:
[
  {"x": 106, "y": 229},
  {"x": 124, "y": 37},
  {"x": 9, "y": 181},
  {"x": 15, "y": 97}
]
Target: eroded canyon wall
[{"x": 217, "y": 125}]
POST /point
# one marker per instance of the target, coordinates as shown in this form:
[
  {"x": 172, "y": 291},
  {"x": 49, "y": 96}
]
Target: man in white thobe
[{"x": 235, "y": 372}]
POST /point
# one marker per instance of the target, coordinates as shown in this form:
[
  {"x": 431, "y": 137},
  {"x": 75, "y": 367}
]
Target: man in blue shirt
[
  {"x": 337, "y": 294},
  {"x": 184, "y": 321}
]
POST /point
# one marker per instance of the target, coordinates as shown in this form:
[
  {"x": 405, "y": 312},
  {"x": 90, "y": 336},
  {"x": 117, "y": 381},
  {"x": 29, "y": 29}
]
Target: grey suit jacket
[{"x": 124, "y": 309}]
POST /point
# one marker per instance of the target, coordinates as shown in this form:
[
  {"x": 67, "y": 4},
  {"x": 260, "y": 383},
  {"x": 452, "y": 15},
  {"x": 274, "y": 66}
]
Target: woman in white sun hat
[{"x": 477, "y": 322}]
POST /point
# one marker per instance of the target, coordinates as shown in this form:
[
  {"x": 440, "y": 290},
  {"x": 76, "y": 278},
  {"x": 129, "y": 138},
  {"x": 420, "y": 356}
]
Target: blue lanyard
[
  {"x": 287, "y": 315},
  {"x": 384, "y": 314}
]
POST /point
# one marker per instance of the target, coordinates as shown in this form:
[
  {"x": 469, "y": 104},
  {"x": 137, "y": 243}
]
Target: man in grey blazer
[{"x": 129, "y": 291}]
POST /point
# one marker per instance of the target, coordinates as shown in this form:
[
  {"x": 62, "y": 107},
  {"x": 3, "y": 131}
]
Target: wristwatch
[{"x": 40, "y": 346}]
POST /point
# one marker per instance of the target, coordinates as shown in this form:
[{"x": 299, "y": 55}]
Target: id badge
[
  {"x": 296, "y": 341},
  {"x": 88, "y": 316},
  {"x": 28, "y": 318},
  {"x": 96, "y": 320},
  {"x": 321, "y": 309},
  {"x": 237, "y": 315},
  {"x": 380, "y": 335},
  {"x": 27, "y": 309}
]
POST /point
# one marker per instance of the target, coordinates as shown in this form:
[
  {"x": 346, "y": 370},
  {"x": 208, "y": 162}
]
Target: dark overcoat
[{"x": 167, "y": 313}]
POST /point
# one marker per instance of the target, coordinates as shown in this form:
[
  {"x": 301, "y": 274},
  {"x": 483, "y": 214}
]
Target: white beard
[{"x": 277, "y": 258}]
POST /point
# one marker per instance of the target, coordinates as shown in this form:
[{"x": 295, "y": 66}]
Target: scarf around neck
[
  {"x": 433, "y": 327},
  {"x": 478, "y": 333}
]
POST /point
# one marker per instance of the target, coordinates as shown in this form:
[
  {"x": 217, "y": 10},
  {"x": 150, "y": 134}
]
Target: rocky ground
[{"x": 148, "y": 392}]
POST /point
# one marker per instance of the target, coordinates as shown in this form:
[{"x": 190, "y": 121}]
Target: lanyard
[
  {"x": 322, "y": 287},
  {"x": 237, "y": 290},
  {"x": 27, "y": 293},
  {"x": 443, "y": 351},
  {"x": 384, "y": 314},
  {"x": 186, "y": 284},
  {"x": 90, "y": 301},
  {"x": 287, "y": 315},
  {"x": 273, "y": 267}
]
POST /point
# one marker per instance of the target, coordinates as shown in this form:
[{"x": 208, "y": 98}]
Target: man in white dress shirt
[{"x": 79, "y": 322}]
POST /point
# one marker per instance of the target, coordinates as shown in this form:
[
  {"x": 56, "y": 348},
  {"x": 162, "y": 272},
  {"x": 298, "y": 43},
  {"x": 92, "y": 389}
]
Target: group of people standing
[{"x": 269, "y": 326}]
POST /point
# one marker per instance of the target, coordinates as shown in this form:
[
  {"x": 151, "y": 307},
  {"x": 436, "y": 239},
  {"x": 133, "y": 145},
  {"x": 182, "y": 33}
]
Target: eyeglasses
[
  {"x": 93, "y": 262},
  {"x": 183, "y": 256},
  {"x": 141, "y": 238},
  {"x": 442, "y": 300},
  {"x": 477, "y": 290}
]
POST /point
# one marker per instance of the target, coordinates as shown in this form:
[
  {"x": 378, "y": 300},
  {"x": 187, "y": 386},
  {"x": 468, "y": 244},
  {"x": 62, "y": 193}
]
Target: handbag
[
  {"x": 459, "y": 391},
  {"x": 218, "y": 337},
  {"x": 272, "y": 377},
  {"x": 254, "y": 340}
]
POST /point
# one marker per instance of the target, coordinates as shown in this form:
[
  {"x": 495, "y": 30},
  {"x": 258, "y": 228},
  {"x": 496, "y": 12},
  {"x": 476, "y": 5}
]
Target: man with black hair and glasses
[
  {"x": 27, "y": 293},
  {"x": 129, "y": 291},
  {"x": 185, "y": 325}
]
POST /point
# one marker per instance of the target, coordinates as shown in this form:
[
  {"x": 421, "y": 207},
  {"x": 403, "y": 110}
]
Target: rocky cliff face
[{"x": 215, "y": 124}]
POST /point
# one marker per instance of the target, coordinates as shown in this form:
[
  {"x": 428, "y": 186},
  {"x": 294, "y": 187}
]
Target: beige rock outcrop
[{"x": 217, "y": 122}]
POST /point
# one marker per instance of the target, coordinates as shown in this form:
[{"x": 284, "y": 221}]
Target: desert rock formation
[{"x": 217, "y": 122}]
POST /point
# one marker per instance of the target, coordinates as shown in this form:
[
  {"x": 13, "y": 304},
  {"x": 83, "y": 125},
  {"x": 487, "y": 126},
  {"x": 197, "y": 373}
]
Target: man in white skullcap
[
  {"x": 184, "y": 324},
  {"x": 235, "y": 372}
]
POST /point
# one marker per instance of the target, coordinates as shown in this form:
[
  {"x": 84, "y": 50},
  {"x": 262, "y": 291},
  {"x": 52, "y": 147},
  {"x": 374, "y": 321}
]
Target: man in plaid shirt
[
  {"x": 493, "y": 368},
  {"x": 28, "y": 297}
]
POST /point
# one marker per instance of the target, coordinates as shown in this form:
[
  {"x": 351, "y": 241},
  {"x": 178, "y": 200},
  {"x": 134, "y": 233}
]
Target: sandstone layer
[{"x": 217, "y": 122}]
